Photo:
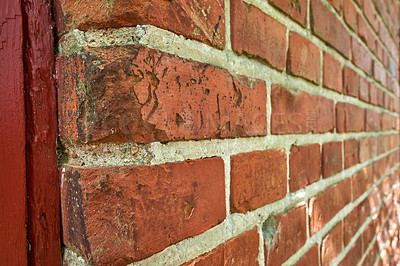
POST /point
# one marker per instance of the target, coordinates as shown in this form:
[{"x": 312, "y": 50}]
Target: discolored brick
[{"x": 331, "y": 158}]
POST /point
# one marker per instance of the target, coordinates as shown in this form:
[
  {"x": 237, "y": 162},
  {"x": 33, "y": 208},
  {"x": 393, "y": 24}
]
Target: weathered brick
[
  {"x": 362, "y": 181},
  {"x": 310, "y": 258},
  {"x": 366, "y": 34},
  {"x": 304, "y": 166},
  {"x": 296, "y": 10},
  {"x": 255, "y": 33},
  {"x": 331, "y": 158},
  {"x": 350, "y": 82},
  {"x": 115, "y": 214},
  {"x": 349, "y": 118},
  {"x": 284, "y": 235},
  {"x": 327, "y": 203},
  {"x": 303, "y": 58},
  {"x": 203, "y": 20},
  {"x": 353, "y": 221},
  {"x": 299, "y": 112},
  {"x": 374, "y": 94},
  {"x": 331, "y": 245},
  {"x": 350, "y": 14},
  {"x": 361, "y": 57},
  {"x": 364, "y": 90},
  {"x": 368, "y": 148},
  {"x": 332, "y": 73},
  {"x": 133, "y": 93},
  {"x": 325, "y": 24},
  {"x": 337, "y": 4},
  {"x": 370, "y": 14},
  {"x": 372, "y": 120},
  {"x": 379, "y": 73},
  {"x": 354, "y": 255},
  {"x": 240, "y": 250},
  {"x": 351, "y": 153},
  {"x": 257, "y": 178},
  {"x": 387, "y": 122}
]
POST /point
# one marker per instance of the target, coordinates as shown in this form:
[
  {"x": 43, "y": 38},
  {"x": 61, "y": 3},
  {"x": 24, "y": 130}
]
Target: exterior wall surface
[{"x": 229, "y": 132}]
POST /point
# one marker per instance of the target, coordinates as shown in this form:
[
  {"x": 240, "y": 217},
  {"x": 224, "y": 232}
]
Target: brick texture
[
  {"x": 114, "y": 215},
  {"x": 124, "y": 94},
  {"x": 331, "y": 158},
  {"x": 257, "y": 178}
]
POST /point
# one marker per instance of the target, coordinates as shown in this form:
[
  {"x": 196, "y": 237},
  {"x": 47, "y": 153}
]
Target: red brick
[
  {"x": 325, "y": 24},
  {"x": 310, "y": 258},
  {"x": 354, "y": 255},
  {"x": 304, "y": 166},
  {"x": 284, "y": 236},
  {"x": 379, "y": 73},
  {"x": 299, "y": 112},
  {"x": 383, "y": 144},
  {"x": 353, "y": 221},
  {"x": 326, "y": 204},
  {"x": 372, "y": 120},
  {"x": 136, "y": 94},
  {"x": 296, "y": 10},
  {"x": 366, "y": 34},
  {"x": 371, "y": 256},
  {"x": 387, "y": 122},
  {"x": 362, "y": 181},
  {"x": 337, "y": 4},
  {"x": 303, "y": 58},
  {"x": 361, "y": 57},
  {"x": 351, "y": 153},
  {"x": 331, "y": 245},
  {"x": 370, "y": 14},
  {"x": 368, "y": 148},
  {"x": 349, "y": 118},
  {"x": 332, "y": 73},
  {"x": 350, "y": 82},
  {"x": 113, "y": 215},
  {"x": 257, "y": 178},
  {"x": 364, "y": 90},
  {"x": 350, "y": 14},
  {"x": 374, "y": 94},
  {"x": 203, "y": 20},
  {"x": 368, "y": 234},
  {"x": 255, "y": 33},
  {"x": 331, "y": 159},
  {"x": 241, "y": 250}
]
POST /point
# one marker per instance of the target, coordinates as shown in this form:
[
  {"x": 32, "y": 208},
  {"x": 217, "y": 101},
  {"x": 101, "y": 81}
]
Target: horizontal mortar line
[
  {"x": 177, "y": 151},
  {"x": 169, "y": 42},
  {"x": 377, "y": 37},
  {"x": 318, "y": 236},
  {"x": 372, "y": 243},
  {"x": 190, "y": 150},
  {"x": 237, "y": 223},
  {"x": 293, "y": 26},
  {"x": 360, "y": 231}
]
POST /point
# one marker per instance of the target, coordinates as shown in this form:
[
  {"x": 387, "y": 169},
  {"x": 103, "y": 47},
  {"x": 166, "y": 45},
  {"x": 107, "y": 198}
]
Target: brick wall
[{"x": 237, "y": 132}]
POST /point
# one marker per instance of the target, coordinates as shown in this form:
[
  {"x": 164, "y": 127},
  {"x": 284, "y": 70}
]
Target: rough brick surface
[
  {"x": 326, "y": 204},
  {"x": 300, "y": 112},
  {"x": 241, "y": 250},
  {"x": 350, "y": 14},
  {"x": 350, "y": 82},
  {"x": 304, "y": 166},
  {"x": 364, "y": 90},
  {"x": 361, "y": 57},
  {"x": 199, "y": 19},
  {"x": 257, "y": 178},
  {"x": 332, "y": 73},
  {"x": 325, "y": 24},
  {"x": 255, "y": 33},
  {"x": 284, "y": 236},
  {"x": 349, "y": 118},
  {"x": 124, "y": 214},
  {"x": 351, "y": 153},
  {"x": 303, "y": 58},
  {"x": 132, "y": 93},
  {"x": 296, "y": 10},
  {"x": 362, "y": 181},
  {"x": 331, "y": 245},
  {"x": 372, "y": 120},
  {"x": 310, "y": 258},
  {"x": 331, "y": 158}
]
